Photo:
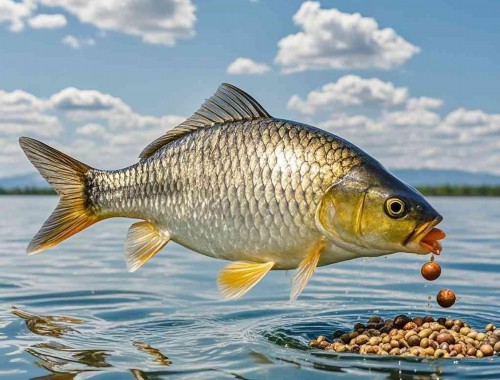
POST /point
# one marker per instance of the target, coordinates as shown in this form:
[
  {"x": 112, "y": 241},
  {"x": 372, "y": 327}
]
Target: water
[{"x": 168, "y": 321}]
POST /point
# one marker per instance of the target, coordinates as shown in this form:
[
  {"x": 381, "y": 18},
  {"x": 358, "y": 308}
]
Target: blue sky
[{"x": 124, "y": 76}]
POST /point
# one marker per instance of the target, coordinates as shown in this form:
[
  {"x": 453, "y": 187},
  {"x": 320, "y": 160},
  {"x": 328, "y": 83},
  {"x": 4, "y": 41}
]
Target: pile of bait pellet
[{"x": 420, "y": 336}]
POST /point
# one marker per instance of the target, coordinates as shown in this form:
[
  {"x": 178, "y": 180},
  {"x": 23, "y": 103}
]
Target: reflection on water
[
  {"x": 154, "y": 352},
  {"x": 47, "y": 325},
  {"x": 75, "y": 312},
  {"x": 59, "y": 358}
]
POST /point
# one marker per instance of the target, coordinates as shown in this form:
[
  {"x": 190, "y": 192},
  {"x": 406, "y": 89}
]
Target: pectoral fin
[
  {"x": 238, "y": 278},
  {"x": 144, "y": 240},
  {"x": 305, "y": 270}
]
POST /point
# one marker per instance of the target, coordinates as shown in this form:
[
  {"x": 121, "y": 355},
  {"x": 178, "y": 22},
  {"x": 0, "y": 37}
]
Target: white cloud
[
  {"x": 156, "y": 22},
  {"x": 73, "y": 99},
  {"x": 22, "y": 112},
  {"x": 403, "y": 131},
  {"x": 242, "y": 66},
  {"x": 91, "y": 129},
  {"x": 331, "y": 39},
  {"x": 46, "y": 21},
  {"x": 14, "y": 13},
  {"x": 77, "y": 43},
  {"x": 471, "y": 125},
  {"x": 423, "y": 102},
  {"x": 350, "y": 90},
  {"x": 411, "y": 117},
  {"x": 86, "y": 123},
  {"x": 462, "y": 117}
]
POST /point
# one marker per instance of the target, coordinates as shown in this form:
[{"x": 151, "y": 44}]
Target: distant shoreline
[{"x": 442, "y": 190}]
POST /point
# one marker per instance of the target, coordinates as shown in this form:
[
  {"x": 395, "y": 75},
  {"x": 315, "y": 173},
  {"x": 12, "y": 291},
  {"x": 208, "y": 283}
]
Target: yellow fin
[
  {"x": 144, "y": 240},
  {"x": 67, "y": 176},
  {"x": 238, "y": 278},
  {"x": 305, "y": 270}
]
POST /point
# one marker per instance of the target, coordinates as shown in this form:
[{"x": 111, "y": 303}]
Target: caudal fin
[{"x": 67, "y": 176}]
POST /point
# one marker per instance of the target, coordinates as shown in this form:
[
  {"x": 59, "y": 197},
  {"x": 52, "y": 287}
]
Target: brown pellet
[
  {"x": 471, "y": 351},
  {"x": 486, "y": 349},
  {"x": 480, "y": 336},
  {"x": 419, "y": 321},
  {"x": 375, "y": 319},
  {"x": 445, "y": 298},
  {"x": 400, "y": 321},
  {"x": 425, "y": 333},
  {"x": 359, "y": 326},
  {"x": 431, "y": 271},
  {"x": 424, "y": 343},
  {"x": 323, "y": 344},
  {"x": 362, "y": 339},
  {"x": 464, "y": 330},
  {"x": 394, "y": 351},
  {"x": 414, "y": 340},
  {"x": 497, "y": 347},
  {"x": 386, "y": 347},
  {"x": 445, "y": 338},
  {"x": 410, "y": 326}
]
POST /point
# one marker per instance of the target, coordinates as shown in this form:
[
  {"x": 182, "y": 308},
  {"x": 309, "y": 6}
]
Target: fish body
[
  {"x": 240, "y": 191},
  {"x": 234, "y": 183}
]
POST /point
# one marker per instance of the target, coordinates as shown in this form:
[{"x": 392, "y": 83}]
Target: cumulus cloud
[
  {"x": 414, "y": 133},
  {"x": 77, "y": 43},
  {"x": 73, "y": 99},
  {"x": 45, "y": 21},
  {"x": 424, "y": 102},
  {"x": 242, "y": 66},
  {"x": 22, "y": 112},
  {"x": 156, "y": 22},
  {"x": 350, "y": 90},
  {"x": 331, "y": 39},
  {"x": 13, "y": 13},
  {"x": 86, "y": 123}
]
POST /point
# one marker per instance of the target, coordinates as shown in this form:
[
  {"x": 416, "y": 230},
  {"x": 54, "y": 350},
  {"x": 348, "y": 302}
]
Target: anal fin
[
  {"x": 305, "y": 270},
  {"x": 144, "y": 240},
  {"x": 238, "y": 278}
]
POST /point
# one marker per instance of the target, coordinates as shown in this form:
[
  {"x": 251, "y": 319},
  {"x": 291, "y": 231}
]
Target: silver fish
[{"x": 234, "y": 183}]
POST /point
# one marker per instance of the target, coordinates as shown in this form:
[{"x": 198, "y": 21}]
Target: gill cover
[{"x": 340, "y": 212}]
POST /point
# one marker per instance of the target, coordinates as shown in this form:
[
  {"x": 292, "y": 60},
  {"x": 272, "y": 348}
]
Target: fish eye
[{"x": 395, "y": 207}]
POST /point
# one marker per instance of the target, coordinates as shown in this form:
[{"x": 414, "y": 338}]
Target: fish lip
[{"x": 419, "y": 232}]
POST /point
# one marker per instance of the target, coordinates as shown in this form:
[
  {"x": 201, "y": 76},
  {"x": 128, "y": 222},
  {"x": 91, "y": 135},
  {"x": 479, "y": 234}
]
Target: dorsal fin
[{"x": 228, "y": 104}]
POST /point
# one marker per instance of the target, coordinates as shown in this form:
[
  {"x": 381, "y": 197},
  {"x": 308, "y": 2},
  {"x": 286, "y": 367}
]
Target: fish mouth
[{"x": 427, "y": 237}]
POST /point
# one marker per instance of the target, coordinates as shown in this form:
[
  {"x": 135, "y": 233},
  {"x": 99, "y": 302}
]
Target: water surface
[{"x": 168, "y": 321}]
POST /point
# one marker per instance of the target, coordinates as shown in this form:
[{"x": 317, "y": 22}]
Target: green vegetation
[
  {"x": 27, "y": 191},
  {"x": 443, "y": 190},
  {"x": 450, "y": 190}
]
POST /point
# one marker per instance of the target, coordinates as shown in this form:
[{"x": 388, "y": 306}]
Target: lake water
[{"x": 129, "y": 323}]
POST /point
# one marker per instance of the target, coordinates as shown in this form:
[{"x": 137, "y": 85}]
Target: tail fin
[{"x": 67, "y": 176}]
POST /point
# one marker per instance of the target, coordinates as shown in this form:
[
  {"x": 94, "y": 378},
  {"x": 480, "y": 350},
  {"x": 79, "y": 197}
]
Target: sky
[{"x": 415, "y": 84}]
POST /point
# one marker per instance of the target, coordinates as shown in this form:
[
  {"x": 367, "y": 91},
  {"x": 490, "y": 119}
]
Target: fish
[{"x": 234, "y": 183}]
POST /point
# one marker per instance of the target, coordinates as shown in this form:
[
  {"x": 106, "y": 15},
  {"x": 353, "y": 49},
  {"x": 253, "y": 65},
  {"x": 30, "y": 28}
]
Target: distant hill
[
  {"x": 415, "y": 177},
  {"x": 23, "y": 181},
  {"x": 435, "y": 177}
]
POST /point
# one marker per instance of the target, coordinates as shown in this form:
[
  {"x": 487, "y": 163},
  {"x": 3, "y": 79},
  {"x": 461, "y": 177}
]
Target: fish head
[{"x": 371, "y": 212}]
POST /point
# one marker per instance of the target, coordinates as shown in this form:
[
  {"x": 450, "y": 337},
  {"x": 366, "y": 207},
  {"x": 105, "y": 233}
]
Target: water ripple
[{"x": 167, "y": 320}]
